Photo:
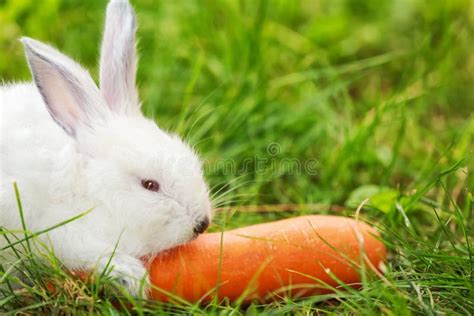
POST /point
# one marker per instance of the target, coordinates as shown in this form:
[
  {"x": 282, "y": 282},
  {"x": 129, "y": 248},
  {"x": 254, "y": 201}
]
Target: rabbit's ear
[
  {"x": 71, "y": 96},
  {"x": 118, "y": 60}
]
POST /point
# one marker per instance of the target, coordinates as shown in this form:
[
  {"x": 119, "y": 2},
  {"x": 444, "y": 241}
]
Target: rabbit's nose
[{"x": 201, "y": 226}]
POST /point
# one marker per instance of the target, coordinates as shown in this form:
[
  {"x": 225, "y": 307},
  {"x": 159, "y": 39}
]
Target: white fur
[
  {"x": 88, "y": 153},
  {"x": 118, "y": 58}
]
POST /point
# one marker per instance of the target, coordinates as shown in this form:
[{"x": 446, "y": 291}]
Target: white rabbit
[{"x": 95, "y": 149}]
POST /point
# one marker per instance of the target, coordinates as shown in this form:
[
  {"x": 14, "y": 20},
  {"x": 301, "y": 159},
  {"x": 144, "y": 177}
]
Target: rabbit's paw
[{"x": 128, "y": 272}]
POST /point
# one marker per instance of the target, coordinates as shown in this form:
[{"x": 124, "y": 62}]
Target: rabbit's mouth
[{"x": 194, "y": 237}]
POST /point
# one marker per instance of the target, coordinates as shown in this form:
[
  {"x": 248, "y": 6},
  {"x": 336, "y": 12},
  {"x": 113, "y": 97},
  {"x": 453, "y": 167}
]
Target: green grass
[{"x": 373, "y": 99}]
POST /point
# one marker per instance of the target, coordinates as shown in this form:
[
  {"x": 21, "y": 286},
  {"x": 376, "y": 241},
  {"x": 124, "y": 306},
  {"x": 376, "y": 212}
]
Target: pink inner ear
[{"x": 58, "y": 98}]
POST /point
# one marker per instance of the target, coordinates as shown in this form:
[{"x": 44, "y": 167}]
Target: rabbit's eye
[{"x": 151, "y": 185}]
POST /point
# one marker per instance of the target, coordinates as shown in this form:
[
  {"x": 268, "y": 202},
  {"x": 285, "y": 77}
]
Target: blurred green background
[{"x": 379, "y": 92}]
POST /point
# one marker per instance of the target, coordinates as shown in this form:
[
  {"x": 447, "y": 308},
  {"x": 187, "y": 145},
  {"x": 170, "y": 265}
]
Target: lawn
[{"x": 306, "y": 107}]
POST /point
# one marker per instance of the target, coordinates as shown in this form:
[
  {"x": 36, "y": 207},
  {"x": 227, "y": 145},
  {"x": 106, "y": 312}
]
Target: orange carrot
[{"x": 304, "y": 255}]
